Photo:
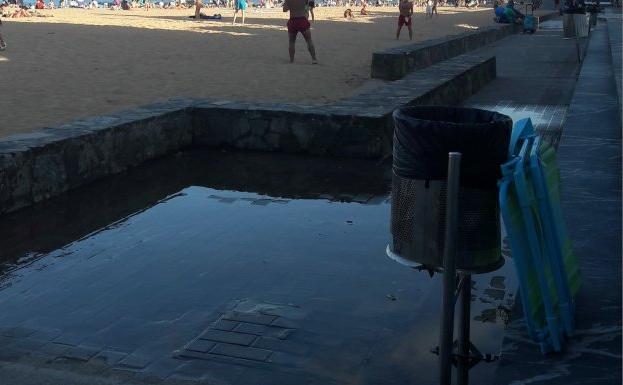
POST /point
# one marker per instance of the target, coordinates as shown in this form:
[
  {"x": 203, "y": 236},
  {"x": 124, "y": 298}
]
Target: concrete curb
[{"x": 614, "y": 37}]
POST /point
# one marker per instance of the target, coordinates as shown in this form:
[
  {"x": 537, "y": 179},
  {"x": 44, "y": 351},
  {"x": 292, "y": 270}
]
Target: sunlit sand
[{"x": 91, "y": 62}]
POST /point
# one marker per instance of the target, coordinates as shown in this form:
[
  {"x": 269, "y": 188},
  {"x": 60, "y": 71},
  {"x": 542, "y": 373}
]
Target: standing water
[{"x": 240, "y": 268}]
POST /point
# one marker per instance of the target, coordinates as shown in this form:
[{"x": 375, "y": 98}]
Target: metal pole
[
  {"x": 464, "y": 318},
  {"x": 449, "y": 269}
]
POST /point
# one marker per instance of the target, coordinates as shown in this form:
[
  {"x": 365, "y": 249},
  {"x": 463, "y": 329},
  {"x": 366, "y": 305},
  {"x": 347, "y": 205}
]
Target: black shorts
[{"x": 312, "y": 4}]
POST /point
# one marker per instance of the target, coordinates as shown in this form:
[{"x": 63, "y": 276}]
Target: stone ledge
[
  {"x": 39, "y": 165},
  {"x": 36, "y": 166},
  {"x": 360, "y": 126},
  {"x": 395, "y": 63}
]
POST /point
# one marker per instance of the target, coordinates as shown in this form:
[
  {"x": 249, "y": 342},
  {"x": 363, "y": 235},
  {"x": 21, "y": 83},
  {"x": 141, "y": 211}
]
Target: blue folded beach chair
[{"x": 546, "y": 265}]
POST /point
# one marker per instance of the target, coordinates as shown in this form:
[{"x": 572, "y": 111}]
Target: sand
[{"x": 93, "y": 62}]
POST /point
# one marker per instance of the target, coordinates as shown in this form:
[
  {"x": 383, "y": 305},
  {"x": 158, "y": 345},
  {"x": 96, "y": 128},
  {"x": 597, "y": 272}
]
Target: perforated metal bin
[{"x": 423, "y": 136}]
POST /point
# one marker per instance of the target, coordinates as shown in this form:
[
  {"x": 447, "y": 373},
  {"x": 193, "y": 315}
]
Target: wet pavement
[
  {"x": 589, "y": 157},
  {"x": 536, "y": 75},
  {"x": 228, "y": 269}
]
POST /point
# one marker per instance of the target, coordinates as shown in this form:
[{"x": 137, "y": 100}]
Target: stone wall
[
  {"x": 39, "y": 165},
  {"x": 395, "y": 63},
  {"x": 360, "y": 126}
]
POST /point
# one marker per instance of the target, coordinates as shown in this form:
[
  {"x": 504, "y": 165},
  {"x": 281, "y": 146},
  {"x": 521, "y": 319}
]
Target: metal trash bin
[{"x": 423, "y": 137}]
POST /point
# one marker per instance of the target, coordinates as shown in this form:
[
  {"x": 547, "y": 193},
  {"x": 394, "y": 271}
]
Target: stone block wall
[
  {"x": 317, "y": 131},
  {"x": 39, "y": 165}
]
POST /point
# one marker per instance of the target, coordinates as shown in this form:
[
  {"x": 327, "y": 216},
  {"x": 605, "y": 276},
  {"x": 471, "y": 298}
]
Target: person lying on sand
[
  {"x": 406, "y": 12},
  {"x": 348, "y": 14},
  {"x": 14, "y": 13},
  {"x": 203, "y": 16},
  {"x": 298, "y": 23}
]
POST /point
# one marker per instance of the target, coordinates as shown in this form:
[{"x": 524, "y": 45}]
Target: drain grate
[{"x": 244, "y": 333}]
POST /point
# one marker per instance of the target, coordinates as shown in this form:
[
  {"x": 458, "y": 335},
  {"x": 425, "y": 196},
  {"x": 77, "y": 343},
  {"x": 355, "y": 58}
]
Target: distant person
[
  {"x": 348, "y": 14},
  {"x": 2, "y": 41},
  {"x": 198, "y": 6},
  {"x": 298, "y": 23},
  {"x": 241, "y": 5},
  {"x": 406, "y": 12},
  {"x": 364, "y": 11},
  {"x": 311, "y": 4},
  {"x": 39, "y": 4}
]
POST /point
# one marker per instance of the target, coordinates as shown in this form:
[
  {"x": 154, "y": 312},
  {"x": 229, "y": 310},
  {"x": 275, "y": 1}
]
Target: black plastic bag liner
[{"x": 423, "y": 137}]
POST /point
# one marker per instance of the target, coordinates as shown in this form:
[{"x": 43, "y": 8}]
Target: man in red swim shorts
[
  {"x": 406, "y": 11},
  {"x": 298, "y": 23}
]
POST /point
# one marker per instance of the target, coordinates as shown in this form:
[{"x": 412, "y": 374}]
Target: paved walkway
[
  {"x": 589, "y": 155},
  {"x": 536, "y": 75}
]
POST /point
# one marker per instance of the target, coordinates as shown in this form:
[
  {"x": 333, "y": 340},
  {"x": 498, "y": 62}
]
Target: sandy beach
[{"x": 79, "y": 63}]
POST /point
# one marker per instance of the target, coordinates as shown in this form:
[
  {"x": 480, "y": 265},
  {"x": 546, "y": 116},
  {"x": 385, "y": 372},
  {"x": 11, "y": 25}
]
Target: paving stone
[
  {"x": 223, "y": 324},
  {"x": 228, "y": 337},
  {"x": 191, "y": 354},
  {"x": 134, "y": 361},
  {"x": 81, "y": 353},
  {"x": 254, "y": 318},
  {"x": 45, "y": 335},
  {"x": 213, "y": 372},
  {"x": 248, "y": 328},
  {"x": 53, "y": 349},
  {"x": 164, "y": 367},
  {"x": 69, "y": 339},
  {"x": 199, "y": 345},
  {"x": 110, "y": 357},
  {"x": 17, "y": 332},
  {"x": 245, "y": 352},
  {"x": 275, "y": 344}
]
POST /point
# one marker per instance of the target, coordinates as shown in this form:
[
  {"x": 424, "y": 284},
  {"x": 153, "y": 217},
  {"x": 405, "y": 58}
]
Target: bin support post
[
  {"x": 463, "y": 363},
  {"x": 449, "y": 269}
]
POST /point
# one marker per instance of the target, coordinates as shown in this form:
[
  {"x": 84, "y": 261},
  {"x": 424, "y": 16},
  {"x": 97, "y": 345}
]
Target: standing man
[
  {"x": 406, "y": 12},
  {"x": 241, "y": 5},
  {"x": 298, "y": 23},
  {"x": 311, "y": 4}
]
